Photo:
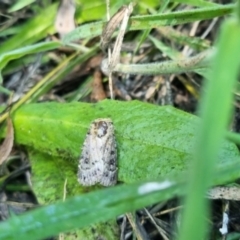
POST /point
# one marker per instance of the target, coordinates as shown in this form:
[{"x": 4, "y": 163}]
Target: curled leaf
[
  {"x": 111, "y": 26},
  {"x": 7, "y": 144}
]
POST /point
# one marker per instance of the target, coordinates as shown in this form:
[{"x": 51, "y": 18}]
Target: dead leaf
[
  {"x": 107, "y": 67},
  {"x": 114, "y": 60},
  {"x": 122, "y": 16},
  {"x": 98, "y": 92},
  {"x": 7, "y": 144},
  {"x": 111, "y": 26},
  {"x": 64, "y": 22}
]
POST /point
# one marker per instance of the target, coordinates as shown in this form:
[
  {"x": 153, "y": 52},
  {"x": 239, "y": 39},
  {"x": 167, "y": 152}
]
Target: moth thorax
[{"x": 102, "y": 128}]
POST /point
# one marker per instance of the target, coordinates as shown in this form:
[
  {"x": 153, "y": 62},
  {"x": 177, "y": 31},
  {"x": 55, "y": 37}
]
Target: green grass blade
[
  {"x": 152, "y": 21},
  {"x": 95, "y": 207},
  {"x": 32, "y": 31},
  {"x": 20, "y": 4},
  {"x": 81, "y": 211},
  {"x": 215, "y": 111},
  {"x": 18, "y": 53}
]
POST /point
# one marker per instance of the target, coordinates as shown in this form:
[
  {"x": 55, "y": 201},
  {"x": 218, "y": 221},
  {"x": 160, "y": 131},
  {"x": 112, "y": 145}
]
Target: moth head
[{"x": 101, "y": 128}]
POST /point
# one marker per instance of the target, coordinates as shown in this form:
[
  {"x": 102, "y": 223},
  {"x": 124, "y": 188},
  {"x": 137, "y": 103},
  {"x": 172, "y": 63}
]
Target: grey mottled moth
[{"x": 98, "y": 161}]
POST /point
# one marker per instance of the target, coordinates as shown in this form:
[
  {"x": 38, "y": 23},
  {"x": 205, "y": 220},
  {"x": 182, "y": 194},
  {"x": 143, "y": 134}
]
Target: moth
[{"x": 98, "y": 161}]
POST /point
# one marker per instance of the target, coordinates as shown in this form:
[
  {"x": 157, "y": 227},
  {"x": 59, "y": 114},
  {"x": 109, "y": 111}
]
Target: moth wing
[
  {"x": 109, "y": 175},
  {"x": 89, "y": 168}
]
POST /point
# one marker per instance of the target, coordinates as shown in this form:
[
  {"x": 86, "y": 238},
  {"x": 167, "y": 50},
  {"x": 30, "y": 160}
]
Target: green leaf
[
  {"x": 53, "y": 180},
  {"x": 152, "y": 141},
  {"x": 152, "y": 21}
]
